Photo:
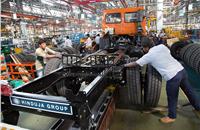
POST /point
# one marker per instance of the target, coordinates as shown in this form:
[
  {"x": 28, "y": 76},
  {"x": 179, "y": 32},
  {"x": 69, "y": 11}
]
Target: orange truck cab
[{"x": 124, "y": 21}]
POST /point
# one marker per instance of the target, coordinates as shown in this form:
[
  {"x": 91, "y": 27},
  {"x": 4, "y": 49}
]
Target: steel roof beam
[
  {"x": 124, "y": 3},
  {"x": 86, "y": 2}
]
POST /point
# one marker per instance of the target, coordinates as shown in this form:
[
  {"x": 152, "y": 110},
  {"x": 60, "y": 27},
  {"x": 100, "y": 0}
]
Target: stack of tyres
[
  {"x": 54, "y": 64},
  {"x": 176, "y": 48},
  {"x": 134, "y": 84},
  {"x": 78, "y": 47},
  {"x": 190, "y": 55},
  {"x": 25, "y": 58},
  {"x": 152, "y": 87},
  {"x": 68, "y": 50},
  {"x": 130, "y": 95},
  {"x": 139, "y": 95}
]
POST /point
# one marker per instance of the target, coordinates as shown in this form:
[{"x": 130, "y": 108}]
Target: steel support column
[{"x": 159, "y": 15}]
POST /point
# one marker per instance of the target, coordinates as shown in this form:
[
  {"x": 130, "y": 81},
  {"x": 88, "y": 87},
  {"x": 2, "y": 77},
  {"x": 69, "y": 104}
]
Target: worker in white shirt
[
  {"x": 162, "y": 34},
  {"x": 88, "y": 42},
  {"x": 68, "y": 42},
  {"x": 172, "y": 71},
  {"x": 43, "y": 53}
]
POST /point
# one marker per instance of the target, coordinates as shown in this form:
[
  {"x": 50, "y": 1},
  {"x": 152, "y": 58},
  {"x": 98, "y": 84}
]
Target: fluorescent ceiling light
[
  {"x": 82, "y": 16},
  {"x": 26, "y": 8},
  {"x": 190, "y": 7},
  {"x": 89, "y": 15},
  {"x": 14, "y": 16},
  {"x": 112, "y": 4},
  {"x": 38, "y": 24},
  {"x": 57, "y": 21},
  {"x": 44, "y": 11},
  {"x": 61, "y": 2},
  {"x": 12, "y": 4},
  {"x": 48, "y": 2}
]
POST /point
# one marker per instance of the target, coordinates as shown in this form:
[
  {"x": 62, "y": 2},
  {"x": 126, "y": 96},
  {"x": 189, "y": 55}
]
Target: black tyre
[
  {"x": 184, "y": 50},
  {"x": 51, "y": 65},
  {"x": 68, "y": 50},
  {"x": 24, "y": 58},
  {"x": 72, "y": 50},
  {"x": 59, "y": 50},
  {"x": 175, "y": 49},
  {"x": 196, "y": 63},
  {"x": 131, "y": 94},
  {"x": 77, "y": 47},
  {"x": 134, "y": 84},
  {"x": 30, "y": 58},
  {"x": 190, "y": 55},
  {"x": 135, "y": 52},
  {"x": 190, "y": 52},
  {"x": 194, "y": 56},
  {"x": 152, "y": 88},
  {"x": 193, "y": 59}
]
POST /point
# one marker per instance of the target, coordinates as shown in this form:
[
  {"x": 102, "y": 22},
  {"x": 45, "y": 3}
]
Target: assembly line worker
[
  {"x": 88, "y": 42},
  {"x": 105, "y": 41},
  {"x": 68, "y": 42},
  {"x": 42, "y": 54},
  {"x": 172, "y": 71}
]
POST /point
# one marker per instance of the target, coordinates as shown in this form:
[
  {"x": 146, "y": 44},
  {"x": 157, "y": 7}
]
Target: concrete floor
[
  {"x": 129, "y": 119},
  {"x": 134, "y": 120}
]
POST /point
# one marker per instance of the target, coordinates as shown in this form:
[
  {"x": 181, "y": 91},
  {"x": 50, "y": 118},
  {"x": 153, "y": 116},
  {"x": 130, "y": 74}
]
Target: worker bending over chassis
[
  {"x": 43, "y": 53},
  {"x": 172, "y": 71}
]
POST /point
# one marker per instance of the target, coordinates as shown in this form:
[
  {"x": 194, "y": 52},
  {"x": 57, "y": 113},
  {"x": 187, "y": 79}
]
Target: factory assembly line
[
  {"x": 84, "y": 92},
  {"x": 100, "y": 64}
]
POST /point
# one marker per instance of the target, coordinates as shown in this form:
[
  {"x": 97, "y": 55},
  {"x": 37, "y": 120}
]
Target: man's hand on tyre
[
  {"x": 58, "y": 55},
  {"x": 131, "y": 64}
]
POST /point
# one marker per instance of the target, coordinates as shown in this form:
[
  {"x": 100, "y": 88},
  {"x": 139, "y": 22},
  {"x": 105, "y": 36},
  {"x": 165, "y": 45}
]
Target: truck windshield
[
  {"x": 131, "y": 17},
  {"x": 113, "y": 18}
]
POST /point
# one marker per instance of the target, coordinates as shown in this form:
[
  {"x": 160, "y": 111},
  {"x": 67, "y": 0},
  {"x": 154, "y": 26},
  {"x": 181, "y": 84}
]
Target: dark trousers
[{"x": 172, "y": 89}]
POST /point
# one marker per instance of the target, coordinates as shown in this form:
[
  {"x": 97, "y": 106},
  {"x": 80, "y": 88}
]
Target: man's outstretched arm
[
  {"x": 131, "y": 64},
  {"x": 146, "y": 59}
]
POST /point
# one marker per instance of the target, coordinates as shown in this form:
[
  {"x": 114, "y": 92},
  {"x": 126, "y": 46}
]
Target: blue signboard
[{"x": 43, "y": 105}]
